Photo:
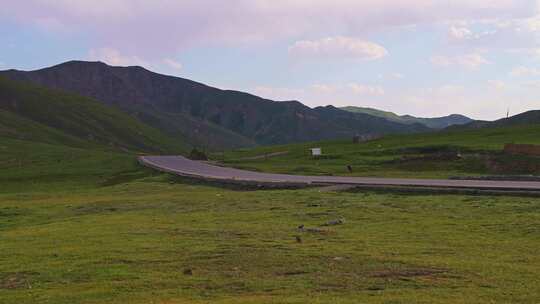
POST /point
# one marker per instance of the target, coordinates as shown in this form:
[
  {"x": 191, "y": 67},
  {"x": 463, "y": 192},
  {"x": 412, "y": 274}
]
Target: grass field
[
  {"x": 38, "y": 114},
  {"x": 91, "y": 226},
  {"x": 416, "y": 155},
  {"x": 30, "y": 166}
]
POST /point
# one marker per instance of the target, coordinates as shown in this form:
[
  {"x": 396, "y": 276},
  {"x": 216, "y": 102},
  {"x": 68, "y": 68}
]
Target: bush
[{"x": 197, "y": 155}]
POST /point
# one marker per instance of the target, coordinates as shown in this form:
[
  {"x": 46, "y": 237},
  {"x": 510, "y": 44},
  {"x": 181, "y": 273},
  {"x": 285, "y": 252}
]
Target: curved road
[{"x": 184, "y": 167}]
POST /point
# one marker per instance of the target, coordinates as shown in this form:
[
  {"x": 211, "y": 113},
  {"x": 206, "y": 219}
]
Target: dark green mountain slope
[
  {"x": 525, "y": 118},
  {"x": 39, "y": 114},
  {"x": 529, "y": 117},
  {"x": 204, "y": 115},
  {"x": 434, "y": 123}
]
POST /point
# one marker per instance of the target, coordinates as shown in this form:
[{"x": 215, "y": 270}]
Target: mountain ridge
[
  {"x": 203, "y": 115},
  {"x": 527, "y": 117},
  {"x": 430, "y": 122}
]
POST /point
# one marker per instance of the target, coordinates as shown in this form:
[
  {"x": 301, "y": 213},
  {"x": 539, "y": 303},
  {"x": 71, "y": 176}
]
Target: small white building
[{"x": 316, "y": 151}]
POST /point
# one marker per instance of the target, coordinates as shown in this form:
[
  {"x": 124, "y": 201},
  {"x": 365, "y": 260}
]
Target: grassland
[
  {"x": 419, "y": 155},
  {"x": 37, "y": 114},
  {"x": 29, "y": 166},
  {"x": 90, "y": 226}
]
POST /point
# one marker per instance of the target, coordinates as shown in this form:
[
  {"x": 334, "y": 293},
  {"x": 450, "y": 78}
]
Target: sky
[{"x": 424, "y": 58}]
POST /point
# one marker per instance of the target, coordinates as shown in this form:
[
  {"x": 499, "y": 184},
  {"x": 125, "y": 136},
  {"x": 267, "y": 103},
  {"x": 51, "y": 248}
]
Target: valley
[
  {"x": 86, "y": 226},
  {"x": 444, "y": 154},
  {"x": 81, "y": 221},
  {"x": 270, "y": 152}
]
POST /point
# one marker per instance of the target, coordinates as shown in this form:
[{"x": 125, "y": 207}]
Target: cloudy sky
[{"x": 420, "y": 57}]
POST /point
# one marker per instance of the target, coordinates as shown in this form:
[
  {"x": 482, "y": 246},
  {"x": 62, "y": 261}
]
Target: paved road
[{"x": 182, "y": 166}]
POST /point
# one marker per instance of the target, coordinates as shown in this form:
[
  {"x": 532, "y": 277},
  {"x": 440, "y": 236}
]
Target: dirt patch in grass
[
  {"x": 11, "y": 212},
  {"x": 125, "y": 177},
  {"x": 512, "y": 164},
  {"x": 233, "y": 186},
  {"x": 407, "y": 273},
  {"x": 105, "y": 207},
  {"x": 16, "y": 280},
  {"x": 292, "y": 273},
  {"x": 96, "y": 208},
  {"x": 437, "y": 149}
]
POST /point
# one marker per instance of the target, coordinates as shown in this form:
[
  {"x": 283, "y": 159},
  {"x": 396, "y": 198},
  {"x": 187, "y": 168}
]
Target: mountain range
[
  {"x": 195, "y": 114},
  {"x": 434, "y": 123}
]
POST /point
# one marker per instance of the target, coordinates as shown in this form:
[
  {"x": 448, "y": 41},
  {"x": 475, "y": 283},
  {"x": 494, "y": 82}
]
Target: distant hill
[
  {"x": 434, "y": 123},
  {"x": 525, "y": 118},
  {"x": 32, "y": 113},
  {"x": 529, "y": 117},
  {"x": 425, "y": 155},
  {"x": 203, "y": 115}
]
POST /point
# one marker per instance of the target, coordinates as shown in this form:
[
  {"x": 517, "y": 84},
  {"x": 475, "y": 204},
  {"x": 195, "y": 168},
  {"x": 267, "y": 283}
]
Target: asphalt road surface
[{"x": 184, "y": 167}]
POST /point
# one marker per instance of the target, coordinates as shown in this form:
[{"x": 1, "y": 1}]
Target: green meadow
[
  {"x": 92, "y": 226},
  {"x": 427, "y": 155}
]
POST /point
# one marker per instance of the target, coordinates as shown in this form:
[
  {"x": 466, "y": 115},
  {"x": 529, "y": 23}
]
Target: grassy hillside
[
  {"x": 81, "y": 222},
  {"x": 203, "y": 135},
  {"x": 417, "y": 155},
  {"x": 529, "y": 117},
  {"x": 88, "y": 226},
  {"x": 33, "y": 166},
  {"x": 205, "y": 116},
  {"x": 16, "y": 127},
  {"x": 434, "y": 123},
  {"x": 42, "y": 115},
  {"x": 375, "y": 112}
]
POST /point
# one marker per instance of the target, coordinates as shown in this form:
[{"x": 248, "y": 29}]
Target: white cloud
[
  {"x": 173, "y": 64},
  {"x": 120, "y": 24},
  {"x": 391, "y": 76},
  {"x": 114, "y": 57},
  {"x": 366, "y": 89},
  {"x": 338, "y": 47},
  {"x": 529, "y": 24},
  {"x": 322, "y": 94},
  {"x": 324, "y": 88},
  {"x": 497, "y": 84},
  {"x": 463, "y": 34},
  {"x": 524, "y": 71},
  {"x": 52, "y": 25},
  {"x": 517, "y": 34},
  {"x": 442, "y": 61},
  {"x": 347, "y": 89},
  {"x": 276, "y": 93},
  {"x": 532, "y": 52},
  {"x": 460, "y": 33},
  {"x": 470, "y": 61},
  {"x": 533, "y": 84}
]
